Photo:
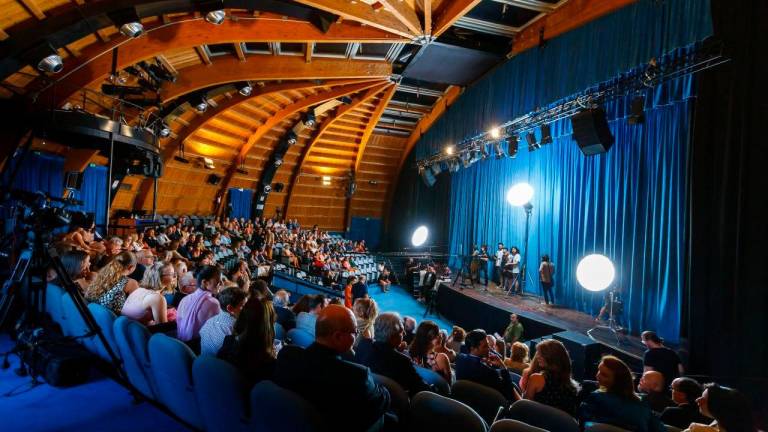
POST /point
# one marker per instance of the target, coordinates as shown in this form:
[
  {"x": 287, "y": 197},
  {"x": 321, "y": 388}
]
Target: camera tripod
[{"x": 463, "y": 275}]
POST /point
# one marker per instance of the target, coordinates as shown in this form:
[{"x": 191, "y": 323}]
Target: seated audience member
[
  {"x": 442, "y": 346},
  {"x": 484, "y": 367},
  {"x": 409, "y": 326},
  {"x": 651, "y": 389},
  {"x": 302, "y": 305},
  {"x": 251, "y": 347},
  {"x": 729, "y": 408},
  {"x": 514, "y": 331},
  {"x": 384, "y": 280},
  {"x": 196, "y": 308},
  {"x": 285, "y": 316},
  {"x": 306, "y": 320},
  {"x": 456, "y": 340},
  {"x": 77, "y": 264},
  {"x": 112, "y": 288},
  {"x": 260, "y": 289},
  {"x": 549, "y": 380},
  {"x": 422, "y": 350},
  {"x": 351, "y": 281},
  {"x": 181, "y": 268},
  {"x": 161, "y": 278},
  {"x": 241, "y": 275},
  {"x": 385, "y": 359},
  {"x": 213, "y": 332},
  {"x": 359, "y": 289},
  {"x": 365, "y": 311},
  {"x": 660, "y": 358},
  {"x": 187, "y": 285},
  {"x": 319, "y": 375},
  {"x": 615, "y": 402},
  {"x": 518, "y": 359},
  {"x": 685, "y": 391},
  {"x": 112, "y": 248},
  {"x": 144, "y": 258}
]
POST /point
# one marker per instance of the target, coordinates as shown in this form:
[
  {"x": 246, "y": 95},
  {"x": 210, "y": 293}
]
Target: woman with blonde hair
[
  {"x": 518, "y": 360},
  {"x": 366, "y": 311},
  {"x": 548, "y": 380}
]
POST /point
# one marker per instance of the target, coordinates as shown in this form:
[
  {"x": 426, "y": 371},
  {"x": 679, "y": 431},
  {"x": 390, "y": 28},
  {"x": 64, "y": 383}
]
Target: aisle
[{"x": 401, "y": 301}]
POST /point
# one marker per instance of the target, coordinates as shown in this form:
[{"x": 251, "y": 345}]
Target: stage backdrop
[{"x": 628, "y": 204}]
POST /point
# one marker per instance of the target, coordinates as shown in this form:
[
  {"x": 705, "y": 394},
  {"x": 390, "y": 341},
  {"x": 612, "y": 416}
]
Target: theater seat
[
  {"x": 300, "y": 337},
  {"x": 106, "y": 320},
  {"x": 602, "y": 427},
  {"x": 275, "y": 409},
  {"x": 434, "y": 378},
  {"x": 483, "y": 399},
  {"x": 431, "y": 411},
  {"x": 279, "y": 331},
  {"x": 74, "y": 325},
  {"x": 542, "y": 416},
  {"x": 400, "y": 404},
  {"x": 171, "y": 362},
  {"x": 221, "y": 395},
  {"x": 508, "y": 425},
  {"x": 53, "y": 295},
  {"x": 132, "y": 340}
]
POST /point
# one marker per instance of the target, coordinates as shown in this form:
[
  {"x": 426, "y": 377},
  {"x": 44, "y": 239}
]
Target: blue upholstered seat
[
  {"x": 53, "y": 306},
  {"x": 602, "y": 427},
  {"x": 434, "y": 378},
  {"x": 542, "y": 416},
  {"x": 171, "y": 363},
  {"x": 400, "y": 404},
  {"x": 483, "y": 399},
  {"x": 300, "y": 337},
  {"x": 275, "y": 409},
  {"x": 279, "y": 331},
  {"x": 74, "y": 325},
  {"x": 431, "y": 411},
  {"x": 132, "y": 340},
  {"x": 106, "y": 320},
  {"x": 221, "y": 395},
  {"x": 509, "y": 425}
]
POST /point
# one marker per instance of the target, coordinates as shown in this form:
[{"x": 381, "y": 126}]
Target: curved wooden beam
[
  {"x": 449, "y": 13},
  {"x": 277, "y": 118},
  {"x": 228, "y": 70},
  {"x": 323, "y": 128},
  {"x": 389, "y": 21},
  {"x": 96, "y": 60}
]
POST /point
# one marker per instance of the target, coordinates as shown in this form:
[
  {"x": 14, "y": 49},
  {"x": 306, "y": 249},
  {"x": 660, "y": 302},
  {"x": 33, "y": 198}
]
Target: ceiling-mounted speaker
[
  {"x": 591, "y": 132},
  {"x": 214, "y": 179},
  {"x": 278, "y": 187}
]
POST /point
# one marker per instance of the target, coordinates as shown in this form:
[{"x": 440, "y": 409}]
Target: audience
[
  {"x": 660, "y": 358},
  {"x": 409, "y": 325},
  {"x": 384, "y": 280},
  {"x": 359, "y": 289},
  {"x": 685, "y": 391},
  {"x": 366, "y": 311},
  {"x": 259, "y": 289},
  {"x": 548, "y": 380},
  {"x": 112, "y": 285},
  {"x": 442, "y": 346},
  {"x": 484, "y": 367},
  {"x": 518, "y": 360},
  {"x": 348, "y": 295},
  {"x": 456, "y": 340},
  {"x": 213, "y": 332},
  {"x": 196, "y": 308},
  {"x": 251, "y": 346},
  {"x": 285, "y": 316},
  {"x": 77, "y": 264},
  {"x": 615, "y": 402},
  {"x": 344, "y": 393},
  {"x": 307, "y": 320},
  {"x": 651, "y": 389},
  {"x": 729, "y": 408},
  {"x": 422, "y": 350}
]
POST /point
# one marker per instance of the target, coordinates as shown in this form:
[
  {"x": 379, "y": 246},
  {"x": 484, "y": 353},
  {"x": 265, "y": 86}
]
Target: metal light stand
[{"x": 612, "y": 326}]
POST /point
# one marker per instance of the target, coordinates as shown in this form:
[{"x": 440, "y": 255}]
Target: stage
[{"x": 473, "y": 308}]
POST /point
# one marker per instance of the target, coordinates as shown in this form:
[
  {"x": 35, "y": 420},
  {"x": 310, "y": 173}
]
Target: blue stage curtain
[
  {"x": 93, "y": 193},
  {"x": 38, "y": 172},
  {"x": 365, "y": 228},
  {"x": 240, "y": 202}
]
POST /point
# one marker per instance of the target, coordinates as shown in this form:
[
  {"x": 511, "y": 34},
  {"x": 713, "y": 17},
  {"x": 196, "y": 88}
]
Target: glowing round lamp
[
  {"x": 419, "y": 236},
  {"x": 595, "y": 272},
  {"x": 520, "y": 194}
]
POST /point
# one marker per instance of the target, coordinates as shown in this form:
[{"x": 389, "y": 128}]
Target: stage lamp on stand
[
  {"x": 596, "y": 273},
  {"x": 419, "y": 236},
  {"x": 520, "y": 195}
]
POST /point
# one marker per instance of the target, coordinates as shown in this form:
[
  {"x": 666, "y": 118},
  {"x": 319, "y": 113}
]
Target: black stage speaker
[
  {"x": 214, "y": 179},
  {"x": 585, "y": 353},
  {"x": 278, "y": 187},
  {"x": 590, "y": 130}
]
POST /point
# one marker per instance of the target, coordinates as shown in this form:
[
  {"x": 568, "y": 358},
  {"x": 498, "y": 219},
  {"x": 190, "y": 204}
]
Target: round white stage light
[
  {"x": 520, "y": 194},
  {"x": 595, "y": 272},
  {"x": 419, "y": 236}
]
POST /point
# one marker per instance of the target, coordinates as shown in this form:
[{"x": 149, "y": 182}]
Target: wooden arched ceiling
[{"x": 296, "y": 54}]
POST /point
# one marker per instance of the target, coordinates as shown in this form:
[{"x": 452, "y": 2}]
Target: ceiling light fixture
[
  {"x": 132, "y": 29},
  {"x": 215, "y": 17}
]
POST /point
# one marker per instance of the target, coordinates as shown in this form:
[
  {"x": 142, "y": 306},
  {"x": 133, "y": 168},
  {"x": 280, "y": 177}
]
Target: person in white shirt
[
  {"x": 515, "y": 257},
  {"x": 497, "y": 264}
]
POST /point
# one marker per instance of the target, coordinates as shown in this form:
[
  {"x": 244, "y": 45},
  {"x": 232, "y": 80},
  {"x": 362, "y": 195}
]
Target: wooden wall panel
[{"x": 374, "y": 178}]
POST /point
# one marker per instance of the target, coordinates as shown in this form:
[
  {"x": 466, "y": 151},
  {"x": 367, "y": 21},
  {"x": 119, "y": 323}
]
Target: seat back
[
  {"x": 53, "y": 306},
  {"x": 275, "y": 409},
  {"x": 542, "y": 416},
  {"x": 434, "y": 378},
  {"x": 171, "y": 363},
  {"x": 74, "y": 325},
  {"x": 279, "y": 331},
  {"x": 105, "y": 319},
  {"x": 400, "y": 404},
  {"x": 431, "y": 411},
  {"x": 132, "y": 340},
  {"x": 300, "y": 337},
  {"x": 509, "y": 425},
  {"x": 483, "y": 399},
  {"x": 602, "y": 427},
  {"x": 221, "y": 395}
]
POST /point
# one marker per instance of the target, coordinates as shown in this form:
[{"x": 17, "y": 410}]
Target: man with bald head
[
  {"x": 343, "y": 392},
  {"x": 651, "y": 388}
]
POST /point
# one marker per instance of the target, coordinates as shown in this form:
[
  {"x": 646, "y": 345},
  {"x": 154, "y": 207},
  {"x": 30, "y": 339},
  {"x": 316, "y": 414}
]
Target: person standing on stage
[
  {"x": 483, "y": 256},
  {"x": 497, "y": 265},
  {"x": 516, "y": 274},
  {"x": 506, "y": 271},
  {"x": 546, "y": 277}
]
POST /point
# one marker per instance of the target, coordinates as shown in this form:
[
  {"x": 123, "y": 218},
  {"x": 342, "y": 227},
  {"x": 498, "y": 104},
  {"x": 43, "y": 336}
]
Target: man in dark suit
[
  {"x": 344, "y": 393},
  {"x": 685, "y": 391},
  {"x": 651, "y": 389},
  {"x": 482, "y": 366},
  {"x": 285, "y": 316},
  {"x": 385, "y": 359}
]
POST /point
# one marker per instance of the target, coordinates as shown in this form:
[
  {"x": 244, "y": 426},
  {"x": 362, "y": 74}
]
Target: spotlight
[
  {"x": 453, "y": 165},
  {"x": 495, "y": 133},
  {"x": 51, "y": 63},
  {"x": 165, "y": 131},
  {"x": 520, "y": 194},
  {"x": 466, "y": 159},
  {"x": 245, "y": 89},
  {"x": 291, "y": 138},
  {"x": 498, "y": 150},
  {"x": 326, "y": 180},
  {"x": 309, "y": 119},
  {"x": 132, "y": 29},
  {"x": 278, "y": 162},
  {"x": 483, "y": 152},
  {"x": 419, "y": 236},
  {"x": 512, "y": 143},
  {"x": 595, "y": 272},
  {"x": 267, "y": 189},
  {"x": 546, "y": 135},
  {"x": 437, "y": 167},
  {"x": 427, "y": 175},
  {"x": 531, "y": 138},
  {"x": 215, "y": 17},
  {"x": 208, "y": 163},
  {"x": 449, "y": 150},
  {"x": 201, "y": 104}
]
